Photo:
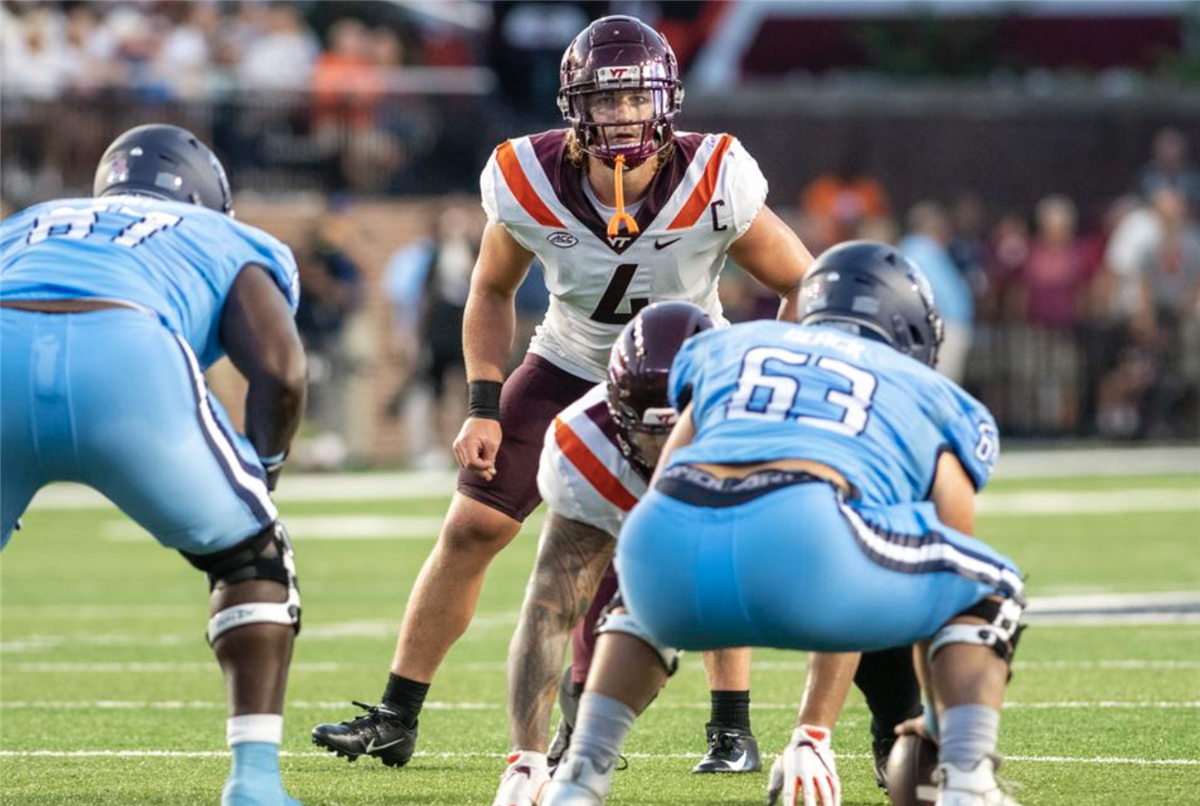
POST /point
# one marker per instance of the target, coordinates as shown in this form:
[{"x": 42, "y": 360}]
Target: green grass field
[{"x": 109, "y": 695}]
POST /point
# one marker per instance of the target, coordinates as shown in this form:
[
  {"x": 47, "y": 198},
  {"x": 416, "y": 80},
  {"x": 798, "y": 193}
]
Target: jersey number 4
[
  {"x": 606, "y": 310},
  {"x": 763, "y": 395}
]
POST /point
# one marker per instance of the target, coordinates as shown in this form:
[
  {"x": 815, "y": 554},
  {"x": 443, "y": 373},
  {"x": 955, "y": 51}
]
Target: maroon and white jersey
[
  {"x": 582, "y": 474},
  {"x": 699, "y": 203}
]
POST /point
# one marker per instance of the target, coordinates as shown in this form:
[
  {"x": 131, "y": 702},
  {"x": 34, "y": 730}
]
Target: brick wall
[{"x": 378, "y": 229}]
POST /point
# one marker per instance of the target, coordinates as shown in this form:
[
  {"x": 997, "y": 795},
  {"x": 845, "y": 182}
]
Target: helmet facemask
[
  {"x": 629, "y": 117},
  {"x": 637, "y": 428}
]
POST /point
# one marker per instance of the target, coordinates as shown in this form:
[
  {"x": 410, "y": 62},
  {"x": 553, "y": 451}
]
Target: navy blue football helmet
[
  {"x": 165, "y": 162},
  {"x": 871, "y": 289}
]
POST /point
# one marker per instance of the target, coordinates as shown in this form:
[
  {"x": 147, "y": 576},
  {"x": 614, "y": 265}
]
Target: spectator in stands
[
  {"x": 405, "y": 117},
  {"x": 968, "y": 247},
  {"x": 439, "y": 268},
  {"x": 845, "y": 197},
  {"x": 1170, "y": 315},
  {"x": 1135, "y": 228},
  {"x": 1053, "y": 282},
  {"x": 1008, "y": 251},
  {"x": 283, "y": 55},
  {"x": 347, "y": 91},
  {"x": 927, "y": 243},
  {"x": 35, "y": 60},
  {"x": 1051, "y": 289},
  {"x": 183, "y": 62},
  {"x": 528, "y": 39},
  {"x": 447, "y": 283},
  {"x": 1169, "y": 167},
  {"x": 331, "y": 290}
]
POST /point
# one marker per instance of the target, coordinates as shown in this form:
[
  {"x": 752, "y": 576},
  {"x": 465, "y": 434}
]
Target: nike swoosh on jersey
[{"x": 660, "y": 245}]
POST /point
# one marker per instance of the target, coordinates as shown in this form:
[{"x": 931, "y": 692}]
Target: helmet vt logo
[{"x": 629, "y": 73}]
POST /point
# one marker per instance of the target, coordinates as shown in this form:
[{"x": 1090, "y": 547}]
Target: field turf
[{"x": 109, "y": 694}]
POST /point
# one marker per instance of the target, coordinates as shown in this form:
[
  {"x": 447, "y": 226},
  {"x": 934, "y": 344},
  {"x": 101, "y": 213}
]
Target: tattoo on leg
[{"x": 570, "y": 563}]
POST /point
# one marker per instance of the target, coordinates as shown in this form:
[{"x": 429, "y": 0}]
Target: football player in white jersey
[
  {"x": 622, "y": 211},
  {"x": 598, "y": 456}
]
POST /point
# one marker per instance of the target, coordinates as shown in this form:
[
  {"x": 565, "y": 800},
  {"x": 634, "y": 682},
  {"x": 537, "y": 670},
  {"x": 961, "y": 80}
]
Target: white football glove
[{"x": 805, "y": 772}]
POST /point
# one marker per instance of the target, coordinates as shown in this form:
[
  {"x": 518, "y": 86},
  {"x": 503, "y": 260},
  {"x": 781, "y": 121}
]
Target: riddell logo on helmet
[{"x": 619, "y": 75}]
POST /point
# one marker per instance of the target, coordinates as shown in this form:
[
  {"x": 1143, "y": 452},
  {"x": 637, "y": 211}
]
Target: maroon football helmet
[
  {"x": 640, "y": 364},
  {"x": 613, "y": 54}
]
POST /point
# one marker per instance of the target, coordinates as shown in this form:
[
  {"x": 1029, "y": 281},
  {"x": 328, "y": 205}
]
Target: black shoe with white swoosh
[
  {"x": 730, "y": 750},
  {"x": 380, "y": 732}
]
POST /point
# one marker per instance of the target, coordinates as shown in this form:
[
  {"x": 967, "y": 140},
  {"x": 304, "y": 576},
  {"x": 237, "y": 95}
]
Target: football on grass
[{"x": 910, "y": 771}]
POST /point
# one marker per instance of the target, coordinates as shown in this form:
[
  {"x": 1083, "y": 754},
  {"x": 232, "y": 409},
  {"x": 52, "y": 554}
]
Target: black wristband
[{"x": 483, "y": 399}]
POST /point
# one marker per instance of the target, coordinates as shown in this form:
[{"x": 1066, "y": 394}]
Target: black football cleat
[
  {"x": 380, "y": 732},
  {"x": 730, "y": 750},
  {"x": 568, "y": 703},
  {"x": 881, "y": 748}
]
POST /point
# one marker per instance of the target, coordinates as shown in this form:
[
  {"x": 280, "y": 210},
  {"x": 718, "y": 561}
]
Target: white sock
[
  {"x": 968, "y": 735},
  {"x": 266, "y": 728},
  {"x": 601, "y": 727}
]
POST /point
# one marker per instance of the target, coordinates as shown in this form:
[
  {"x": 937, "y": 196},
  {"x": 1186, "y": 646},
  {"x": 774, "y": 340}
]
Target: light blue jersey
[
  {"x": 177, "y": 260},
  {"x": 770, "y": 390},
  {"x": 784, "y": 559},
  {"x": 115, "y": 398}
]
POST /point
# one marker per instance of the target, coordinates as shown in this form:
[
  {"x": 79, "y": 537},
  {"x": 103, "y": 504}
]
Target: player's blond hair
[{"x": 578, "y": 157}]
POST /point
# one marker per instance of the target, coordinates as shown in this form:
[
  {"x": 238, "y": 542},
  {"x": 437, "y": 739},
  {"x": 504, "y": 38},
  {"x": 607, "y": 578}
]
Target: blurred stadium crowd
[{"x": 1066, "y": 316}]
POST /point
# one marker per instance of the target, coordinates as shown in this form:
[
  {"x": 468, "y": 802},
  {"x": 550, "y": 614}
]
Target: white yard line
[
  {"x": 1168, "y": 607},
  {"x": 152, "y": 667},
  {"x": 1087, "y": 502},
  {"x": 312, "y": 488},
  {"x": 213, "y": 705},
  {"x": 316, "y": 527},
  {"x": 1015, "y": 464},
  {"x": 309, "y": 755},
  {"x": 990, "y": 505}
]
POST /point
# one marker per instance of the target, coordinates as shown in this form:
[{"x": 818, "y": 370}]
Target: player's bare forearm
[
  {"x": 826, "y": 686},
  {"x": 571, "y": 559},
  {"x": 489, "y": 320},
  {"x": 771, "y": 253},
  {"x": 953, "y": 494},
  {"x": 260, "y": 338},
  {"x": 488, "y": 326}
]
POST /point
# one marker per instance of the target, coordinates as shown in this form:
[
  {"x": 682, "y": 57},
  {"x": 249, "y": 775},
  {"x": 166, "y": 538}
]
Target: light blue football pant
[
  {"x": 116, "y": 401},
  {"x": 797, "y": 568}
]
